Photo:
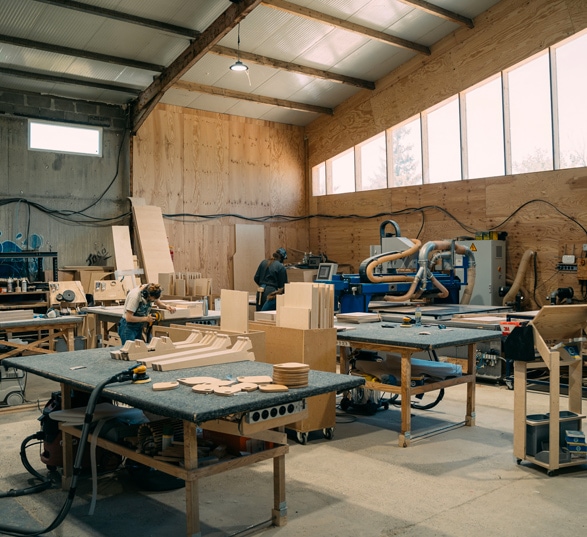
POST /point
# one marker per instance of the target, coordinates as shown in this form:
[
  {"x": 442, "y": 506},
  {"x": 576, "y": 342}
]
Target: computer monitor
[{"x": 326, "y": 271}]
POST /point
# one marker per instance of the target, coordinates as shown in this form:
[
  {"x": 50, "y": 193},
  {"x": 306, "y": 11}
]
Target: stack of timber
[
  {"x": 198, "y": 350},
  {"x": 306, "y": 306},
  {"x": 16, "y": 315}
]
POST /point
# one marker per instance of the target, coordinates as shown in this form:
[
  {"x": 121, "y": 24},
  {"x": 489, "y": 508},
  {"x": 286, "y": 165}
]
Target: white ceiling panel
[
  {"x": 267, "y": 32},
  {"x": 291, "y": 117},
  {"x": 381, "y": 14}
]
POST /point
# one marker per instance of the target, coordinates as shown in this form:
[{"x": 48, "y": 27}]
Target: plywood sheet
[
  {"x": 292, "y": 317},
  {"x": 123, "y": 257},
  {"x": 153, "y": 243},
  {"x": 250, "y": 251},
  {"x": 234, "y": 311}
]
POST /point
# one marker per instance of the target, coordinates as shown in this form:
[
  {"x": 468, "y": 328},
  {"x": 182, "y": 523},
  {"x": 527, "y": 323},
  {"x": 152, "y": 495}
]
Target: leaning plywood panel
[
  {"x": 250, "y": 251},
  {"x": 153, "y": 243},
  {"x": 123, "y": 257},
  {"x": 234, "y": 310}
]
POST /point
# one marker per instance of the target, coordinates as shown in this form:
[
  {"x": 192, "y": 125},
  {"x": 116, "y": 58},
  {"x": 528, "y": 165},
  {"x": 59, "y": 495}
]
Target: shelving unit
[
  {"x": 558, "y": 332},
  {"x": 26, "y": 300},
  {"x": 39, "y": 256}
]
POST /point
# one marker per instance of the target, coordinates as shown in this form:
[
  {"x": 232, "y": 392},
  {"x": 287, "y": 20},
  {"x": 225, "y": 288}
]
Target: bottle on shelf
[
  {"x": 10, "y": 285},
  {"x": 418, "y": 316}
]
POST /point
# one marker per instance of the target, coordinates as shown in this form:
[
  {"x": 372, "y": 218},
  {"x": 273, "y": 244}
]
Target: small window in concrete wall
[{"x": 64, "y": 138}]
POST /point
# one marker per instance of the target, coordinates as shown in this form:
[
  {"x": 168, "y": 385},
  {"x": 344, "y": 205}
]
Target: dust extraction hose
[{"x": 77, "y": 465}]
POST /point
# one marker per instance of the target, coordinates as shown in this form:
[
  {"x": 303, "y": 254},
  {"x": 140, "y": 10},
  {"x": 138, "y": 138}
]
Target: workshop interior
[{"x": 408, "y": 179}]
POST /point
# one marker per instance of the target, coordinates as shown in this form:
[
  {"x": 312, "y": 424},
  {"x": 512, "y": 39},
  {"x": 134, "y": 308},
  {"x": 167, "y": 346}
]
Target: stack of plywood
[
  {"x": 16, "y": 315},
  {"x": 306, "y": 306}
]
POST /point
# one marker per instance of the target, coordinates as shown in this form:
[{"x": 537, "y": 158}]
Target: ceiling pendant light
[{"x": 238, "y": 65}]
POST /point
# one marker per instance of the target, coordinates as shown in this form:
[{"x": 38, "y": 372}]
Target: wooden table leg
[
  {"x": 192, "y": 494},
  {"x": 68, "y": 334},
  {"x": 406, "y": 395},
  {"x": 279, "y": 512},
  {"x": 471, "y": 369},
  {"x": 66, "y": 441}
]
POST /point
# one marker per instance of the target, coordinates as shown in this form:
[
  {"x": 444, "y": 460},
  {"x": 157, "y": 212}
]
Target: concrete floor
[{"x": 464, "y": 482}]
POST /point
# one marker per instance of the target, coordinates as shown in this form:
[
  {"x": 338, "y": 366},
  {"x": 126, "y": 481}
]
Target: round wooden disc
[{"x": 289, "y": 366}]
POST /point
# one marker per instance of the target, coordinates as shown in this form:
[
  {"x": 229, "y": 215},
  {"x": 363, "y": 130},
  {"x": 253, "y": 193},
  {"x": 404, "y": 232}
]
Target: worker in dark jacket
[{"x": 270, "y": 278}]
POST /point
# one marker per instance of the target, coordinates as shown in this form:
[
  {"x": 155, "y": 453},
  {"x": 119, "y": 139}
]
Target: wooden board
[
  {"x": 58, "y": 288},
  {"x": 561, "y": 322},
  {"x": 234, "y": 310},
  {"x": 108, "y": 290},
  {"x": 290, "y": 317},
  {"x": 250, "y": 251},
  {"x": 123, "y": 257},
  {"x": 153, "y": 243}
]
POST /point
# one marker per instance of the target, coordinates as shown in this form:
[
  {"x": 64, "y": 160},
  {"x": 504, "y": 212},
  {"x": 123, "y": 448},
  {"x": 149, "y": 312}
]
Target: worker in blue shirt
[
  {"x": 270, "y": 278},
  {"x": 137, "y": 311}
]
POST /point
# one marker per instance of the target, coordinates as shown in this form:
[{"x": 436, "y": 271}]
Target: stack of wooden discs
[{"x": 291, "y": 374}]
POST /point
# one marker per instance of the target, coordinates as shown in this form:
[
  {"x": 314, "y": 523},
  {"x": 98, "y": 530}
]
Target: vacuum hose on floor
[{"x": 77, "y": 465}]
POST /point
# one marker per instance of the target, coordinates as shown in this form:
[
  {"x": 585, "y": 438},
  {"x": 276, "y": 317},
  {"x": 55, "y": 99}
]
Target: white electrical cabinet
[{"x": 490, "y": 260}]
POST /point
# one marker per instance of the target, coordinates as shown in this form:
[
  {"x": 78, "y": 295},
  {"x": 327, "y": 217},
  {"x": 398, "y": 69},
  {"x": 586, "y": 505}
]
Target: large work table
[
  {"x": 392, "y": 338},
  {"x": 47, "y": 331},
  {"x": 253, "y": 415}
]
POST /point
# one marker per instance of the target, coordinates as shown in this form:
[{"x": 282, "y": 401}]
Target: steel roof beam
[
  {"x": 58, "y": 49},
  {"x": 124, "y": 17},
  {"x": 293, "y": 67},
  {"x": 440, "y": 12},
  {"x": 308, "y": 13},
  {"x": 149, "y": 98},
  {"x": 67, "y": 80},
  {"x": 223, "y": 92}
]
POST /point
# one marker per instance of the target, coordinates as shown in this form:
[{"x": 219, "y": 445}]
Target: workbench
[
  {"x": 84, "y": 370},
  {"x": 392, "y": 338},
  {"x": 108, "y": 317},
  {"x": 47, "y": 331}
]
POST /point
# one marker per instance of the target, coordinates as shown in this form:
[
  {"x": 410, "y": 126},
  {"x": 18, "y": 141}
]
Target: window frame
[{"x": 58, "y": 124}]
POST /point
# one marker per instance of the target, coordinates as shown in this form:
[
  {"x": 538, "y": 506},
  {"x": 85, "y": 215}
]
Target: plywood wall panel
[
  {"x": 161, "y": 163},
  {"x": 220, "y": 165},
  {"x": 458, "y": 210}
]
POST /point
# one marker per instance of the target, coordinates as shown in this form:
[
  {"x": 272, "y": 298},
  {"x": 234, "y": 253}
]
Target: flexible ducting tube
[{"x": 511, "y": 294}]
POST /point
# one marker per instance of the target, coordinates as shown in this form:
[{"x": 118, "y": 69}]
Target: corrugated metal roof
[{"x": 268, "y": 32}]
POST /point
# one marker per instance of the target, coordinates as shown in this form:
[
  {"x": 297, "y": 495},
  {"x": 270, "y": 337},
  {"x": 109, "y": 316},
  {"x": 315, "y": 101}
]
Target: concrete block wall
[{"x": 29, "y": 105}]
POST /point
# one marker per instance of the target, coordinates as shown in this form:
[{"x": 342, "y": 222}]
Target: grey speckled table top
[
  {"x": 181, "y": 402},
  {"x": 423, "y": 337}
]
